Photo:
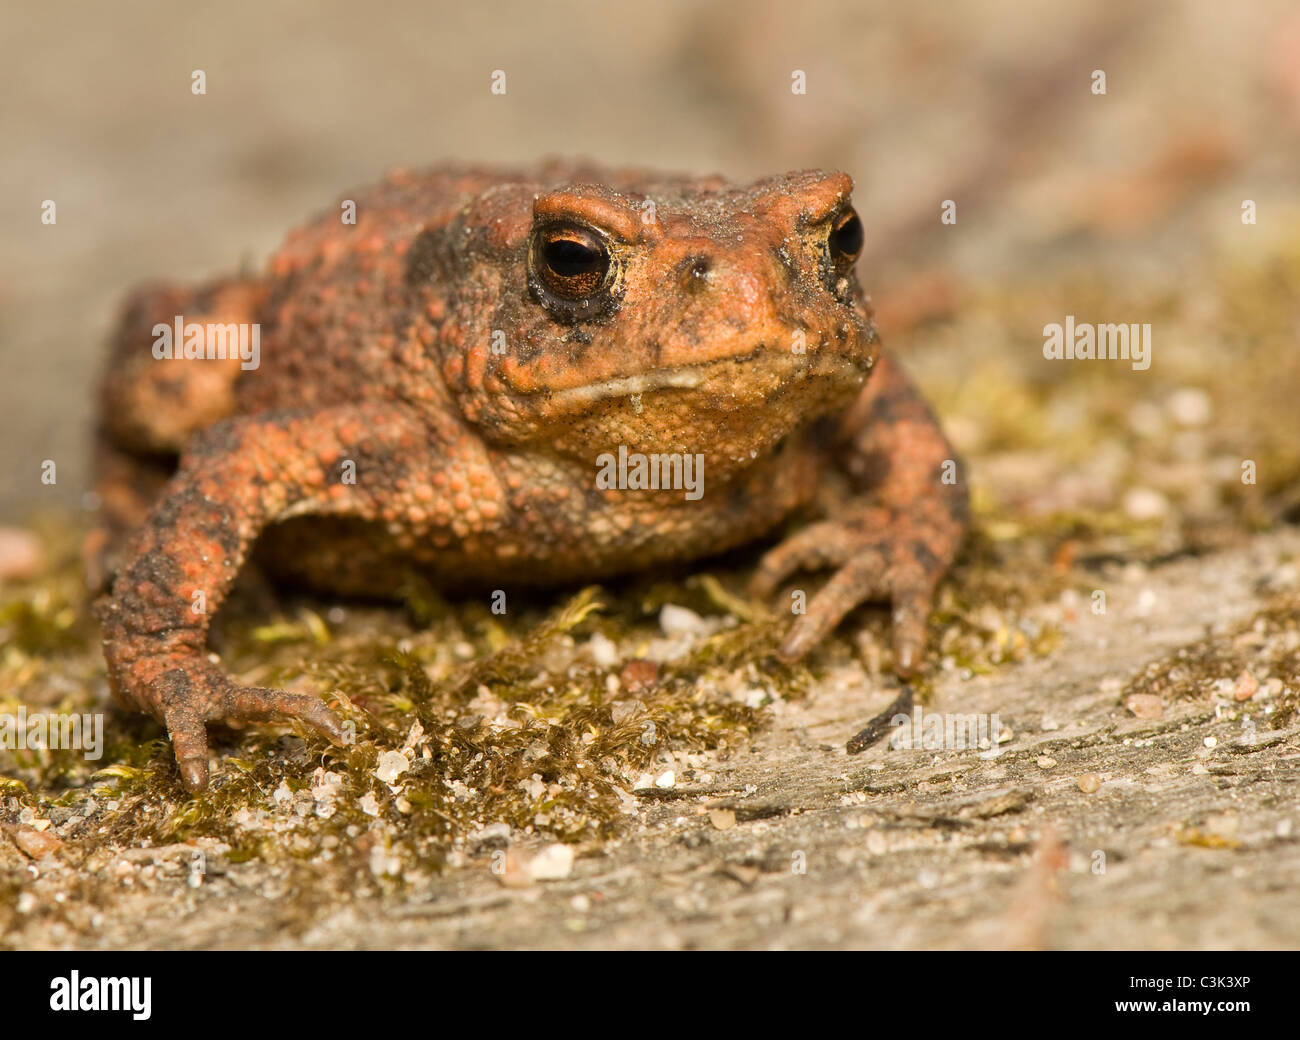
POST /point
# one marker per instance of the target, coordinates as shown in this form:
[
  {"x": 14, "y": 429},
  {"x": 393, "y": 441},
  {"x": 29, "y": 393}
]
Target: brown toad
[{"x": 444, "y": 380}]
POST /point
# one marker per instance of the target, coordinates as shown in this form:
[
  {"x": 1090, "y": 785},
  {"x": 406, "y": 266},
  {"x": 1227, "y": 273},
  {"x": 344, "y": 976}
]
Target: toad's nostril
[{"x": 696, "y": 272}]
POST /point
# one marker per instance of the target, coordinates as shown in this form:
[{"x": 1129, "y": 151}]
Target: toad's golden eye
[
  {"x": 573, "y": 262},
  {"x": 846, "y": 238}
]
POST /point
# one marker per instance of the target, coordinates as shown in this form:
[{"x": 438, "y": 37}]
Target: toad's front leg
[
  {"x": 899, "y": 540},
  {"x": 237, "y": 477}
]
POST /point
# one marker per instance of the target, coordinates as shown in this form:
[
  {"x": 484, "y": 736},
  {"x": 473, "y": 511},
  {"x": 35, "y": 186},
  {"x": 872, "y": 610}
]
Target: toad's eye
[
  {"x": 846, "y": 238},
  {"x": 572, "y": 262}
]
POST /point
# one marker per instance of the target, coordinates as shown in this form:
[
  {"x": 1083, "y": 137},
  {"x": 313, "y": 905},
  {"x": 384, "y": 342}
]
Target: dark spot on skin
[
  {"x": 529, "y": 349},
  {"x": 885, "y": 409},
  {"x": 167, "y": 510},
  {"x": 214, "y": 441},
  {"x": 229, "y": 539},
  {"x": 425, "y": 259},
  {"x": 578, "y": 349},
  {"x": 824, "y": 434},
  {"x": 593, "y": 497},
  {"x": 871, "y": 468},
  {"x": 778, "y": 393},
  {"x": 334, "y": 471},
  {"x": 738, "y": 500},
  {"x": 924, "y": 555},
  {"x": 825, "y": 426}
]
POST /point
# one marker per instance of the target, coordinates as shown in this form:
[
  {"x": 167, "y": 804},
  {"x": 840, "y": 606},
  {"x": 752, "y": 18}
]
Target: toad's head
[{"x": 685, "y": 315}]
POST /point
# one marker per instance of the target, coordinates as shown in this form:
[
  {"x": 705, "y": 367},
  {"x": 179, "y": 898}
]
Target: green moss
[{"x": 498, "y": 718}]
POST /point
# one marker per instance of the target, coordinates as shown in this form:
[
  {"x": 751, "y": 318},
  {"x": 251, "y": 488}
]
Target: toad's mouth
[
  {"x": 686, "y": 377},
  {"x": 715, "y": 374}
]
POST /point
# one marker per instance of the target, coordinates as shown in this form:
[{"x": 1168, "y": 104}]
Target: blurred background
[{"x": 1117, "y": 207}]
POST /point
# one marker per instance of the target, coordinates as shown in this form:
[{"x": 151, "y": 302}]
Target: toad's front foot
[
  {"x": 186, "y": 692},
  {"x": 879, "y": 554}
]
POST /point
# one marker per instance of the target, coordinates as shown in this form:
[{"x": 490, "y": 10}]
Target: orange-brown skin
[{"x": 714, "y": 319}]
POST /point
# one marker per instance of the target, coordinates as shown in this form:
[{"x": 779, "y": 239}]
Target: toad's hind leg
[{"x": 149, "y": 407}]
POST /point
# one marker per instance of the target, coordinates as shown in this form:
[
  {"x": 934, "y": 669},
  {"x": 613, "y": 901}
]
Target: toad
[{"x": 440, "y": 363}]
